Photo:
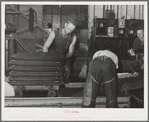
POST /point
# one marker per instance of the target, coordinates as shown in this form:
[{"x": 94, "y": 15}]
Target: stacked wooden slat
[{"x": 36, "y": 69}]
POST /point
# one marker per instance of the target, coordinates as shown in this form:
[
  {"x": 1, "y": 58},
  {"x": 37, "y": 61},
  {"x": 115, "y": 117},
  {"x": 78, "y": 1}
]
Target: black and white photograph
[{"x": 74, "y": 60}]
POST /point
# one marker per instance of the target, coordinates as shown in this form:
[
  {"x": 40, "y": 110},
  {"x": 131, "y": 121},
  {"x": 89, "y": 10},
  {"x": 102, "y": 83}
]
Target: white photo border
[{"x": 86, "y": 114}]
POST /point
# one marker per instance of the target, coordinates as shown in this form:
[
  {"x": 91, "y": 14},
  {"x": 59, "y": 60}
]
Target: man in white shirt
[{"x": 102, "y": 70}]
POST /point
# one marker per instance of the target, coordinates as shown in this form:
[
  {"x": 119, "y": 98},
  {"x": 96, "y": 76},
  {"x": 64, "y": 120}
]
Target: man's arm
[
  {"x": 48, "y": 42},
  {"x": 71, "y": 47}
]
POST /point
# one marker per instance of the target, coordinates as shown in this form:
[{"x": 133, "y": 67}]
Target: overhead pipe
[{"x": 117, "y": 11}]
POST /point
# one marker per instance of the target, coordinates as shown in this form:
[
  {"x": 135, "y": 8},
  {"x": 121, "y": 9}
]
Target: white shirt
[
  {"x": 49, "y": 30},
  {"x": 109, "y": 54}
]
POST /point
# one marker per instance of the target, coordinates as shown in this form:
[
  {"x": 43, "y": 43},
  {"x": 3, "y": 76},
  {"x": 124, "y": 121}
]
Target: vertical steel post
[
  {"x": 134, "y": 11},
  {"x": 126, "y": 11},
  {"x": 103, "y": 11},
  {"x": 117, "y": 11},
  {"x": 142, "y": 11}
]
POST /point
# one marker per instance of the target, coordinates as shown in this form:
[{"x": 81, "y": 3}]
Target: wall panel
[
  {"x": 133, "y": 11},
  {"x": 136, "y": 12},
  {"x": 130, "y": 11},
  {"x": 37, "y": 8},
  {"x": 90, "y": 19},
  {"x": 46, "y": 19},
  {"x": 99, "y": 11},
  {"x": 141, "y": 12}
]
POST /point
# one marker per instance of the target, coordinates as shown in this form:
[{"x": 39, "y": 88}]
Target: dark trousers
[
  {"x": 100, "y": 72},
  {"x": 67, "y": 70},
  {"x": 67, "y": 65}
]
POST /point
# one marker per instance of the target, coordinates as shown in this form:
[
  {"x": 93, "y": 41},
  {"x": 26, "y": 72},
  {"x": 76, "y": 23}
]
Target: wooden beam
[
  {"x": 35, "y": 79},
  {"x": 37, "y": 74},
  {"x": 46, "y": 87},
  {"x": 75, "y": 85},
  {"x": 34, "y": 85},
  {"x": 36, "y": 68},
  {"x": 68, "y": 102},
  {"x": 35, "y": 63}
]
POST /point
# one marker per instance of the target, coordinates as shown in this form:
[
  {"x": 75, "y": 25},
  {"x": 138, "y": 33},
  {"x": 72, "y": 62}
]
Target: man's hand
[
  {"x": 131, "y": 52},
  {"x": 45, "y": 49},
  {"x": 135, "y": 74}
]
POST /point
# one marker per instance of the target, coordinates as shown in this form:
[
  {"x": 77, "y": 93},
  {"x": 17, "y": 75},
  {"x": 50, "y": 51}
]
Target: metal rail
[
  {"x": 21, "y": 43},
  {"x": 62, "y": 102},
  {"x": 23, "y": 30},
  {"x": 28, "y": 20}
]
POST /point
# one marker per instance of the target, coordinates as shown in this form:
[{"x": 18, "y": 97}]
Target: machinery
[
  {"x": 29, "y": 69},
  {"x": 119, "y": 44}
]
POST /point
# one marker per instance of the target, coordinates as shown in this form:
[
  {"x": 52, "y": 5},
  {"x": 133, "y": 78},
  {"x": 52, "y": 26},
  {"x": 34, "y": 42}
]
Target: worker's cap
[{"x": 73, "y": 21}]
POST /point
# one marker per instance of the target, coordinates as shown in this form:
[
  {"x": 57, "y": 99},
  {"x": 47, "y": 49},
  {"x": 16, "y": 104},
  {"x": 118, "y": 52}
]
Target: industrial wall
[
  {"x": 85, "y": 14},
  {"x": 38, "y": 8},
  {"x": 121, "y": 11}
]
